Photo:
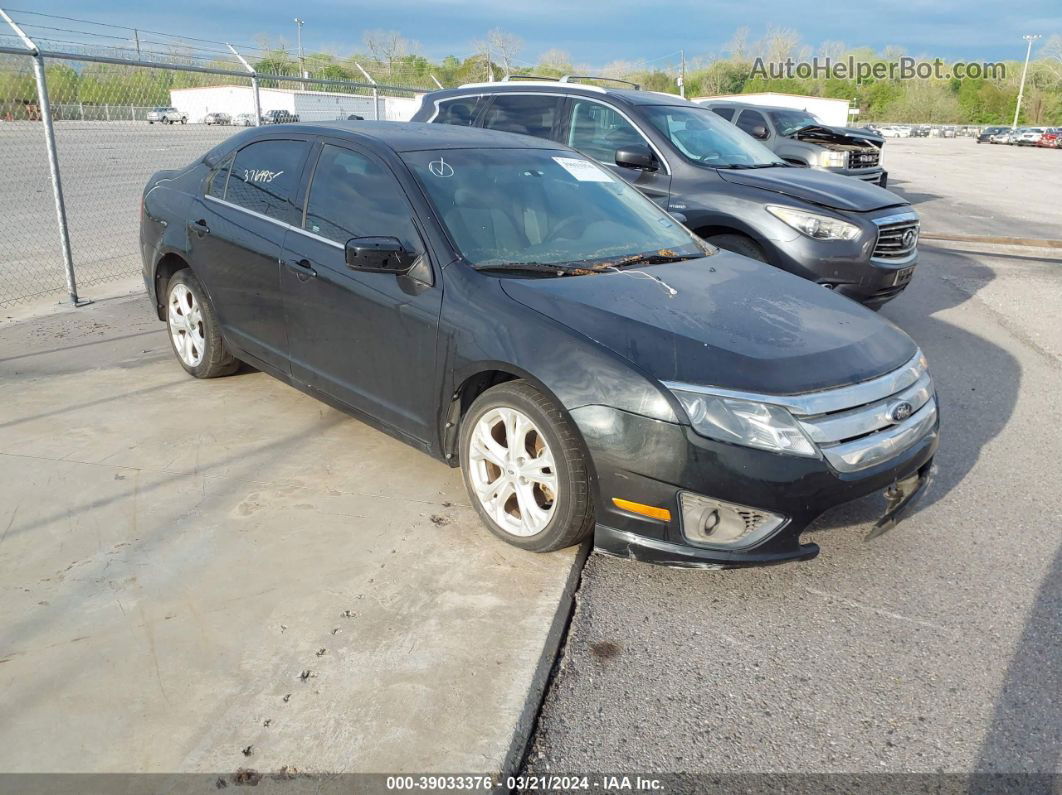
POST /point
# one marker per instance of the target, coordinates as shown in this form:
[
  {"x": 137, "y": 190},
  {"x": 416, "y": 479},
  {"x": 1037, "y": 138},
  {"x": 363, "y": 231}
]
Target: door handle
[
  {"x": 303, "y": 269},
  {"x": 200, "y": 227}
]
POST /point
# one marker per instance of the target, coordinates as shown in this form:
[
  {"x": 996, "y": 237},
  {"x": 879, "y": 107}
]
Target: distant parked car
[
  {"x": 243, "y": 120},
  {"x": 166, "y": 116},
  {"x": 279, "y": 117},
  {"x": 988, "y": 134},
  {"x": 1051, "y": 139},
  {"x": 921, "y": 131},
  {"x": 888, "y": 132},
  {"x": 217, "y": 118},
  {"x": 355, "y": 117},
  {"x": 1028, "y": 136},
  {"x": 947, "y": 132}
]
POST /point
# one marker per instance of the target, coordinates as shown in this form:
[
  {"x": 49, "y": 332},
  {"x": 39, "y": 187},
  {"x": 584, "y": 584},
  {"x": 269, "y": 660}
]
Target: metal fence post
[
  {"x": 254, "y": 86},
  {"x": 375, "y": 93},
  {"x": 53, "y": 159}
]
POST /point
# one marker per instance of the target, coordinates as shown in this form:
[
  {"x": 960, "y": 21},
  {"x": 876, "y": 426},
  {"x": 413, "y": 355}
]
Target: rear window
[
  {"x": 460, "y": 112},
  {"x": 527, "y": 114},
  {"x": 265, "y": 178},
  {"x": 726, "y": 113}
]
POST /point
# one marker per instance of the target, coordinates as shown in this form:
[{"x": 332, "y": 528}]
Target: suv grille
[
  {"x": 864, "y": 159},
  {"x": 897, "y": 236},
  {"x": 882, "y": 418}
]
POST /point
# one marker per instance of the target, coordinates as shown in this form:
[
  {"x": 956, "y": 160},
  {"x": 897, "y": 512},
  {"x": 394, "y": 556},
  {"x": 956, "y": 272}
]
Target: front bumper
[{"x": 650, "y": 462}]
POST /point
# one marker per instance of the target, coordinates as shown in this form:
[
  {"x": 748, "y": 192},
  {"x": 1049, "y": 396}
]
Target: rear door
[
  {"x": 598, "y": 129},
  {"x": 366, "y": 339},
  {"x": 237, "y": 230}
]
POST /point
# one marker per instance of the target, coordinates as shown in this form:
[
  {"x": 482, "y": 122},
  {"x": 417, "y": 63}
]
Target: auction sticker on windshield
[{"x": 583, "y": 170}]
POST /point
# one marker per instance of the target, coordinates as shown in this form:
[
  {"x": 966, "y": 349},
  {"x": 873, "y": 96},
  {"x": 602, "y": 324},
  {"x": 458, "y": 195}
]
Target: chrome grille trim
[
  {"x": 891, "y": 229},
  {"x": 883, "y": 445},
  {"x": 826, "y": 401},
  {"x": 866, "y": 419}
]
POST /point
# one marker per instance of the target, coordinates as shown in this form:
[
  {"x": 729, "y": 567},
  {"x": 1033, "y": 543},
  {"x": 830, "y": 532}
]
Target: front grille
[
  {"x": 897, "y": 236},
  {"x": 864, "y": 159},
  {"x": 869, "y": 423}
]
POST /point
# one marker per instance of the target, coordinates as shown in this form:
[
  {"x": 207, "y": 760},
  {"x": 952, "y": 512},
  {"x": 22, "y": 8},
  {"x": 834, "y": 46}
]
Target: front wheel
[
  {"x": 195, "y": 334},
  {"x": 525, "y": 469}
]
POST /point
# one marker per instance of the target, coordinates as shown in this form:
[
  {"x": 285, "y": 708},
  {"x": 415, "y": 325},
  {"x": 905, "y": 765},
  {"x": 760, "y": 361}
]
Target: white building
[
  {"x": 834, "y": 112},
  {"x": 307, "y": 105}
]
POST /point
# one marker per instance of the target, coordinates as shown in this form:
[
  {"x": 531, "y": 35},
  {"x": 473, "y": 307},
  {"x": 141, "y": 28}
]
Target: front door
[
  {"x": 237, "y": 233},
  {"x": 365, "y": 339}
]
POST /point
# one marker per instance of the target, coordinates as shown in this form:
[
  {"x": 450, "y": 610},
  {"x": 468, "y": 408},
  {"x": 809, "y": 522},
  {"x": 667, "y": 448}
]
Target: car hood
[
  {"x": 724, "y": 321},
  {"x": 817, "y": 187},
  {"x": 840, "y": 135}
]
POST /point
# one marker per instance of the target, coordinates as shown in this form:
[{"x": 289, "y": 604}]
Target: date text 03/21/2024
[{"x": 551, "y": 783}]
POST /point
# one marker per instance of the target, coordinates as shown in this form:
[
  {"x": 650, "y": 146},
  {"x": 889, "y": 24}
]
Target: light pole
[
  {"x": 298, "y": 36},
  {"x": 1021, "y": 86}
]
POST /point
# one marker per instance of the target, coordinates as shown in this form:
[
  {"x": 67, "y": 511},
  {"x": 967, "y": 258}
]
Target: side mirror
[
  {"x": 378, "y": 255},
  {"x": 636, "y": 157},
  {"x": 759, "y": 132}
]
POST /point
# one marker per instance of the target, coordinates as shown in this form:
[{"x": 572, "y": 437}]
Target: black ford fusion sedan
[{"x": 510, "y": 307}]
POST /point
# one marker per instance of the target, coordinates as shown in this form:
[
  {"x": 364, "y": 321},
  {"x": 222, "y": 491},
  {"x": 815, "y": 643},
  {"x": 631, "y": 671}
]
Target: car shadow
[
  {"x": 977, "y": 381},
  {"x": 1022, "y": 748},
  {"x": 914, "y": 197}
]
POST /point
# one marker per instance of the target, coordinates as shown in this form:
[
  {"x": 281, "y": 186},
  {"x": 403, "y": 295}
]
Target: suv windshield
[
  {"x": 706, "y": 139},
  {"x": 545, "y": 210},
  {"x": 789, "y": 121}
]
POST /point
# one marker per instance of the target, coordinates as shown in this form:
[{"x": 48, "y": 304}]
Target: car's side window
[
  {"x": 598, "y": 131},
  {"x": 726, "y": 113},
  {"x": 218, "y": 177},
  {"x": 750, "y": 119},
  {"x": 353, "y": 195},
  {"x": 460, "y": 111},
  {"x": 265, "y": 178},
  {"x": 527, "y": 114}
]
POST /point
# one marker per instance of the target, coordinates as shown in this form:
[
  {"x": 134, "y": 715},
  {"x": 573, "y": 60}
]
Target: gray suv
[
  {"x": 798, "y": 137},
  {"x": 844, "y": 234}
]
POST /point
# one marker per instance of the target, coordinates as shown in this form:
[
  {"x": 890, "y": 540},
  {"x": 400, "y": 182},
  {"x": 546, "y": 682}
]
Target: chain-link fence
[{"x": 115, "y": 122}]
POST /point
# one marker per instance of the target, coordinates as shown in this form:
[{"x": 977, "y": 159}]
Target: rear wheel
[
  {"x": 525, "y": 469},
  {"x": 195, "y": 334},
  {"x": 739, "y": 244}
]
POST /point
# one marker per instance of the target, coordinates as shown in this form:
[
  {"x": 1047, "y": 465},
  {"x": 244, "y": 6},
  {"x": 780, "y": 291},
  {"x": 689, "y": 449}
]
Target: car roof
[
  {"x": 409, "y": 136},
  {"x": 750, "y": 105},
  {"x": 629, "y": 96}
]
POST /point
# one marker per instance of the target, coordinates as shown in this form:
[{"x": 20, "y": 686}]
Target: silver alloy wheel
[
  {"x": 512, "y": 471},
  {"x": 186, "y": 325}
]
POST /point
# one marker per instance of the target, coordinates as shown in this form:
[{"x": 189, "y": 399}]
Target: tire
[
  {"x": 194, "y": 331},
  {"x": 561, "y": 514},
  {"x": 739, "y": 244}
]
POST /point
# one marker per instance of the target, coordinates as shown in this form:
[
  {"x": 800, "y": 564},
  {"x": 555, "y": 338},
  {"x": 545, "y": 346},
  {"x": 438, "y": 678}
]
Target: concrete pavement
[{"x": 198, "y": 576}]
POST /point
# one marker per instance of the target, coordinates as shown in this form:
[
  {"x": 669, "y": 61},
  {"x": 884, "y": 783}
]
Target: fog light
[{"x": 714, "y": 523}]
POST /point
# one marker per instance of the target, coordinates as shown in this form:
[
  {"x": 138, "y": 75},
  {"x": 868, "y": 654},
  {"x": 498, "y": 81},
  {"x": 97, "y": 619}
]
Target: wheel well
[
  {"x": 706, "y": 232},
  {"x": 463, "y": 397},
  {"x": 168, "y": 265}
]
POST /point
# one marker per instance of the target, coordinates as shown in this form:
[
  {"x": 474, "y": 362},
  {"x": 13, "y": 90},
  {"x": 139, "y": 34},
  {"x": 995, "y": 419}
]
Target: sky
[{"x": 593, "y": 32}]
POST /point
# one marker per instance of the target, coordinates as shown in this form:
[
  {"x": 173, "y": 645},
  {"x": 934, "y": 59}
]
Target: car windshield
[
  {"x": 789, "y": 121},
  {"x": 706, "y": 139},
  {"x": 546, "y": 211}
]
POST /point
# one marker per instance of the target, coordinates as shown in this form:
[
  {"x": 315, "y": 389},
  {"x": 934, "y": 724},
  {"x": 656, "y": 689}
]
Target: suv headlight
[
  {"x": 831, "y": 158},
  {"x": 745, "y": 422},
  {"x": 819, "y": 227}
]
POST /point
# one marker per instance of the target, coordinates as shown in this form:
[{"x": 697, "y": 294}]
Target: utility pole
[
  {"x": 682, "y": 75},
  {"x": 298, "y": 36},
  {"x": 1021, "y": 86},
  {"x": 136, "y": 35}
]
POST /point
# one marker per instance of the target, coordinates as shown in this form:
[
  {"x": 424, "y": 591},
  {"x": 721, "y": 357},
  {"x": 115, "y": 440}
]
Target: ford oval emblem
[{"x": 901, "y": 411}]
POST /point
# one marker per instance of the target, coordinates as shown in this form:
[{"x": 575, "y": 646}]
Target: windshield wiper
[
  {"x": 557, "y": 269},
  {"x": 753, "y": 165},
  {"x": 652, "y": 258}
]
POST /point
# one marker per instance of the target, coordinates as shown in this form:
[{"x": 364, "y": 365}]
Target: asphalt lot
[{"x": 935, "y": 648}]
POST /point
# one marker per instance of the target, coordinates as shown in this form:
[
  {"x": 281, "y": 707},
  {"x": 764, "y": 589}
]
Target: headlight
[
  {"x": 833, "y": 159},
  {"x": 820, "y": 227},
  {"x": 745, "y": 422}
]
